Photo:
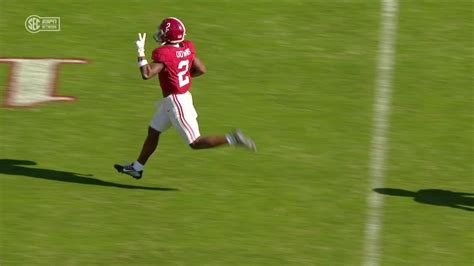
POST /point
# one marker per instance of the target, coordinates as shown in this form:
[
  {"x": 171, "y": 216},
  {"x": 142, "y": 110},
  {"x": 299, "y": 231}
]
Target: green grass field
[{"x": 298, "y": 76}]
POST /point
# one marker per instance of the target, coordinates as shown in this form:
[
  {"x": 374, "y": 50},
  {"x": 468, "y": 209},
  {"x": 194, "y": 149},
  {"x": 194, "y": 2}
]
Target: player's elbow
[
  {"x": 203, "y": 70},
  {"x": 198, "y": 71},
  {"x": 145, "y": 76}
]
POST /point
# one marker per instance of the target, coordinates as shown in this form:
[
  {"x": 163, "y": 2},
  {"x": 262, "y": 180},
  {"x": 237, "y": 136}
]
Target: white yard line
[{"x": 379, "y": 145}]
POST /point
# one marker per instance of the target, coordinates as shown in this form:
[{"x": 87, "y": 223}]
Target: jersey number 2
[{"x": 182, "y": 78}]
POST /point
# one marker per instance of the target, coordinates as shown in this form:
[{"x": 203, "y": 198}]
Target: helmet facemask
[{"x": 158, "y": 36}]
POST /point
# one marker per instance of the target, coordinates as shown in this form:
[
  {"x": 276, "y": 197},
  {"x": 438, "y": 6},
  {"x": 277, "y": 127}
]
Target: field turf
[{"x": 298, "y": 76}]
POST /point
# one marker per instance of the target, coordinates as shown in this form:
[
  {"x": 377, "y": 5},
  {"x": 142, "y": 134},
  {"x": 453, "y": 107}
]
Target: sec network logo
[{"x": 35, "y": 23}]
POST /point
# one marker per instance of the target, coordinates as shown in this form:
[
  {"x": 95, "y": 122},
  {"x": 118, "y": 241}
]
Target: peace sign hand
[{"x": 141, "y": 44}]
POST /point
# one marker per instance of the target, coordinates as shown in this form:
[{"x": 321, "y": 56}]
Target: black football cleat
[{"x": 129, "y": 170}]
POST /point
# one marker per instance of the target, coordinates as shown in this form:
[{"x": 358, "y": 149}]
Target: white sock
[
  {"x": 138, "y": 166},
  {"x": 230, "y": 139}
]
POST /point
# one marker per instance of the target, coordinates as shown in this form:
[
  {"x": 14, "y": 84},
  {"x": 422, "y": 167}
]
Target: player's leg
[
  {"x": 208, "y": 142},
  {"x": 236, "y": 138},
  {"x": 135, "y": 169},
  {"x": 149, "y": 146},
  {"x": 184, "y": 119},
  {"x": 158, "y": 124}
]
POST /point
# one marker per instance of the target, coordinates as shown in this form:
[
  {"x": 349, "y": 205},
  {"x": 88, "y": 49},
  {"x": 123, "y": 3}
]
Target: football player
[{"x": 175, "y": 63}]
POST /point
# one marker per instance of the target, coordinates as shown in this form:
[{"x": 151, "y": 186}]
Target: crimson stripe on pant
[{"x": 182, "y": 118}]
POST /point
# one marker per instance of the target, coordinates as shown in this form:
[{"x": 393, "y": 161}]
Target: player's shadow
[
  {"x": 17, "y": 167},
  {"x": 439, "y": 197}
]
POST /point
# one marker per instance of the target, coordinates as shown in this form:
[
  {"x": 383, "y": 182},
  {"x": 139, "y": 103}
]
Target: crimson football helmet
[{"x": 171, "y": 30}]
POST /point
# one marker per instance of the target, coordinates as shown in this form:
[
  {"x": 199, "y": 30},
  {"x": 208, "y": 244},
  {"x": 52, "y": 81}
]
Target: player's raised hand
[{"x": 141, "y": 44}]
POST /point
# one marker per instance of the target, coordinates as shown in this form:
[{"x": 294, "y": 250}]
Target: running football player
[{"x": 175, "y": 63}]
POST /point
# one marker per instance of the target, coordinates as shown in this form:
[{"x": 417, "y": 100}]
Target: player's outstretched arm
[
  {"x": 198, "y": 68},
  {"x": 150, "y": 70},
  {"x": 147, "y": 70}
]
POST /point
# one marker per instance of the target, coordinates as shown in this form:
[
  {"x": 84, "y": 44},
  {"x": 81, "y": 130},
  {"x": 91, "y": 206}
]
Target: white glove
[{"x": 141, "y": 44}]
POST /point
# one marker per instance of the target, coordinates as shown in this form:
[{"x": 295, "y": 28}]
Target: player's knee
[
  {"x": 196, "y": 145},
  {"x": 153, "y": 132}
]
